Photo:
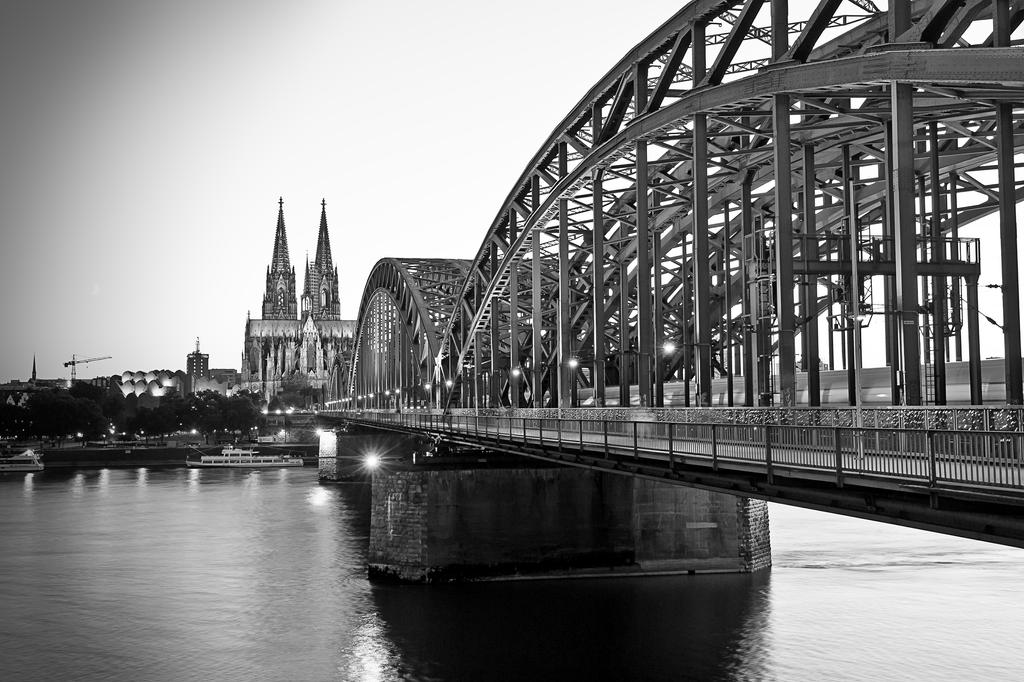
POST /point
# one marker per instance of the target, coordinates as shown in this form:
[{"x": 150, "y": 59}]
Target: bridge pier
[{"x": 431, "y": 524}]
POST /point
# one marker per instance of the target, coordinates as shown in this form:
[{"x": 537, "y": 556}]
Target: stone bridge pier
[{"x": 488, "y": 515}]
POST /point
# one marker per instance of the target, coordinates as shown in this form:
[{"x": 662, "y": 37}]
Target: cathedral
[{"x": 305, "y": 348}]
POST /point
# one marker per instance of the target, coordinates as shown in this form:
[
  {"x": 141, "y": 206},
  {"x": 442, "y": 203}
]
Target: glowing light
[
  {"x": 426, "y": 387},
  {"x": 387, "y": 392},
  {"x": 670, "y": 347},
  {"x": 265, "y": 410},
  {"x": 290, "y": 410},
  {"x": 281, "y": 433},
  {"x": 277, "y": 411},
  {"x": 319, "y": 432},
  {"x": 372, "y": 461},
  {"x": 193, "y": 432},
  {"x": 449, "y": 383},
  {"x": 574, "y": 363},
  {"x": 516, "y": 372},
  {"x": 319, "y": 497},
  {"x": 78, "y": 435}
]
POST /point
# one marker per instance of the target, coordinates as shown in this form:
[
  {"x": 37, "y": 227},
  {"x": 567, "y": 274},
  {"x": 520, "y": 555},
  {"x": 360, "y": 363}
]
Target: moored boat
[
  {"x": 243, "y": 458},
  {"x": 26, "y": 461}
]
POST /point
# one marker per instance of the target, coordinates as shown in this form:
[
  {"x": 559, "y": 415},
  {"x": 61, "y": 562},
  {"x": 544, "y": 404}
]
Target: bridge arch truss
[
  {"x": 737, "y": 197},
  {"x": 405, "y": 307}
]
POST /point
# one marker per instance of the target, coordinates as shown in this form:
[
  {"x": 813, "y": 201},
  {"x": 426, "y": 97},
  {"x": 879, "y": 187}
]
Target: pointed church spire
[
  {"x": 280, "y": 261},
  {"x": 323, "y": 242},
  {"x": 279, "y": 300},
  {"x": 33, "y": 368}
]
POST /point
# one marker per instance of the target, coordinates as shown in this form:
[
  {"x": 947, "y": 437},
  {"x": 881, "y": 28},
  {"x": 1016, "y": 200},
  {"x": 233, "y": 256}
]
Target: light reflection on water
[
  {"x": 103, "y": 481},
  {"x": 167, "y": 574}
]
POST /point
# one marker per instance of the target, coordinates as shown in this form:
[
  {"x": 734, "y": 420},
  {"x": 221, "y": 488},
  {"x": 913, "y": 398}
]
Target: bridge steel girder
[
  {"x": 405, "y": 305},
  {"x": 981, "y": 512},
  {"x": 559, "y": 296}
]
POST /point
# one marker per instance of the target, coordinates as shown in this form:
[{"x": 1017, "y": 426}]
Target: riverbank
[{"x": 154, "y": 456}]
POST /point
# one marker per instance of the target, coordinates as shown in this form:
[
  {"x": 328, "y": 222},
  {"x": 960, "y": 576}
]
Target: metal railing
[{"x": 974, "y": 458}]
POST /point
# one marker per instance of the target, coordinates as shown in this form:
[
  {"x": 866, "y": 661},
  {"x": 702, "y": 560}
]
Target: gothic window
[
  {"x": 280, "y": 297},
  {"x": 323, "y": 298}
]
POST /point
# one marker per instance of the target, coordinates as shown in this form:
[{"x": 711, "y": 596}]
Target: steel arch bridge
[{"x": 738, "y": 196}]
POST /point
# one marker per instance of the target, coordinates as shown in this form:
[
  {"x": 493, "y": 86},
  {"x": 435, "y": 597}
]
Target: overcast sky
[{"x": 144, "y": 146}]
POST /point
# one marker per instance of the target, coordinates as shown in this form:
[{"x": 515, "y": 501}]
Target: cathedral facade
[{"x": 299, "y": 344}]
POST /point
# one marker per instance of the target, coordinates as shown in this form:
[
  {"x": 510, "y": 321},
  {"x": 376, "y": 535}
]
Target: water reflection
[
  {"x": 193, "y": 481},
  {"x": 694, "y": 627},
  {"x": 78, "y": 484},
  {"x": 230, "y": 585},
  {"x": 104, "y": 481},
  {"x": 371, "y": 656},
  {"x": 318, "y": 497},
  {"x": 251, "y": 481}
]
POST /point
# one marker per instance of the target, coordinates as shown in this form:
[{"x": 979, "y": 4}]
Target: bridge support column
[{"x": 432, "y": 525}]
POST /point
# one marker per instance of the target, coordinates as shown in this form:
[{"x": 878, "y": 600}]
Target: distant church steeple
[
  {"x": 279, "y": 299},
  {"x": 320, "y": 289},
  {"x": 33, "y": 379}
]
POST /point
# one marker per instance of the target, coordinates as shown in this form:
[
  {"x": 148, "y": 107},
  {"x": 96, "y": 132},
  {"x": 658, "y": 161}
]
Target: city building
[
  {"x": 307, "y": 348},
  {"x": 15, "y": 392},
  {"x": 197, "y": 365}
]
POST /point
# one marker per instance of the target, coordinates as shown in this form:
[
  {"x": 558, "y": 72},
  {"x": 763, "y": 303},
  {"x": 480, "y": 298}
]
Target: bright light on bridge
[{"x": 372, "y": 461}]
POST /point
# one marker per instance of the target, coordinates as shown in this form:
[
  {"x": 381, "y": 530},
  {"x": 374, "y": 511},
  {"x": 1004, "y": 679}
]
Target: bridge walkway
[{"x": 965, "y": 482}]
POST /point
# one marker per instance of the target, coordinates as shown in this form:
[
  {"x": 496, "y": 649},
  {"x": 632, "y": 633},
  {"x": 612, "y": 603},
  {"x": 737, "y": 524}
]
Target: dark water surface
[{"x": 171, "y": 574}]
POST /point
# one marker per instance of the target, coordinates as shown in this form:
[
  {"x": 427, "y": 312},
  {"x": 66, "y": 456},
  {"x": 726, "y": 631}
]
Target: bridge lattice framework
[{"x": 745, "y": 181}]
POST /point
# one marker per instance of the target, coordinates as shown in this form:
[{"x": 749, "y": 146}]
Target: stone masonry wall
[
  {"x": 487, "y": 521},
  {"x": 398, "y": 526},
  {"x": 436, "y": 525},
  {"x": 755, "y": 546},
  {"x": 679, "y": 528}
]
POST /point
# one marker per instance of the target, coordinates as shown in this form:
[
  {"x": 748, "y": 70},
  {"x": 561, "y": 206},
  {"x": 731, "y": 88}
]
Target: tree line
[{"x": 92, "y": 412}]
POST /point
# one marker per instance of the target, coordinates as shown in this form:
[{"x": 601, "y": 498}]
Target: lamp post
[
  {"x": 855, "y": 316},
  {"x": 513, "y": 386},
  {"x": 573, "y": 393}
]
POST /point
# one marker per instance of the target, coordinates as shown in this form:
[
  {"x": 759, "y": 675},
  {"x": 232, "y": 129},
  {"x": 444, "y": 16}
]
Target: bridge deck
[{"x": 965, "y": 482}]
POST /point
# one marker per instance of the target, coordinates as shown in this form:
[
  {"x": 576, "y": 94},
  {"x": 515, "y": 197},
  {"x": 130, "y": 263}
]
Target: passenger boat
[
  {"x": 26, "y": 461},
  {"x": 243, "y": 458}
]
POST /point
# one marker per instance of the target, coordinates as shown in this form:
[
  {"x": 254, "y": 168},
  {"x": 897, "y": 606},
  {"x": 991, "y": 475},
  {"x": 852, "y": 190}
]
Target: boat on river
[
  {"x": 26, "y": 461},
  {"x": 233, "y": 457}
]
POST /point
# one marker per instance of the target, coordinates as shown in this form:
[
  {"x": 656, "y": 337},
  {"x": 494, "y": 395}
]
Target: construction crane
[{"x": 74, "y": 362}]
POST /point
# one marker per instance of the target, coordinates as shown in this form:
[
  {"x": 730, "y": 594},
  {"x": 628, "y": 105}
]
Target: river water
[{"x": 172, "y": 574}]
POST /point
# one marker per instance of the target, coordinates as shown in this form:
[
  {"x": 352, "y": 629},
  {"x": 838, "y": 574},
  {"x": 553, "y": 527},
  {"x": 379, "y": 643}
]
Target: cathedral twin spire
[{"x": 320, "y": 291}]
